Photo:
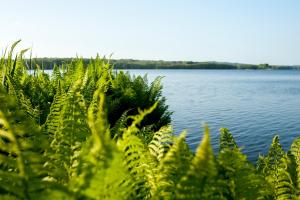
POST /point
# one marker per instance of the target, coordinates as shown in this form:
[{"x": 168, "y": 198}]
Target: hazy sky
[{"x": 247, "y": 31}]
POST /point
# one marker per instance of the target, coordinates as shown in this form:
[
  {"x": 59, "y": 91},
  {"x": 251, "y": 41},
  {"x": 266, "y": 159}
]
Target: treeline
[{"x": 48, "y": 63}]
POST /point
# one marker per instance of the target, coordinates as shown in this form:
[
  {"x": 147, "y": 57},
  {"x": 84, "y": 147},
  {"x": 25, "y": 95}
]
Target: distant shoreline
[{"x": 48, "y": 63}]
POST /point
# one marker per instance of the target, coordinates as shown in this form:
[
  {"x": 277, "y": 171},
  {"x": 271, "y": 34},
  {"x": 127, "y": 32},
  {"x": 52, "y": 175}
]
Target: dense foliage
[{"x": 80, "y": 135}]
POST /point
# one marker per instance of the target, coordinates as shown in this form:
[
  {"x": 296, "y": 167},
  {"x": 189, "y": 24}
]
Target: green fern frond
[
  {"x": 155, "y": 90},
  {"x": 275, "y": 169},
  {"x": 120, "y": 125},
  {"x": 198, "y": 183},
  {"x": 100, "y": 173},
  {"x": 281, "y": 181},
  {"x": 137, "y": 158},
  {"x": 161, "y": 142},
  {"x": 295, "y": 151},
  {"x": 172, "y": 168},
  {"x": 54, "y": 118},
  {"x": 226, "y": 140},
  {"x": 56, "y": 74},
  {"x": 238, "y": 177},
  {"x": 73, "y": 131},
  {"x": 21, "y": 147},
  {"x": 22, "y": 100},
  {"x": 273, "y": 158},
  {"x": 10, "y": 54}
]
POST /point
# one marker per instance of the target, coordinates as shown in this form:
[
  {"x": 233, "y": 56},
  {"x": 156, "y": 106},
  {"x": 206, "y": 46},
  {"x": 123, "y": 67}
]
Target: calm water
[{"x": 254, "y": 105}]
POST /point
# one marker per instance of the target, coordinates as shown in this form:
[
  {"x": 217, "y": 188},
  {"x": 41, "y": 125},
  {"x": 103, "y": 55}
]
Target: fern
[
  {"x": 54, "y": 118},
  {"x": 172, "y": 168},
  {"x": 226, "y": 140},
  {"x": 275, "y": 168},
  {"x": 199, "y": 182},
  {"x": 118, "y": 128},
  {"x": 241, "y": 181},
  {"x": 161, "y": 142},
  {"x": 98, "y": 140},
  {"x": 70, "y": 136},
  {"x": 137, "y": 158},
  {"x": 22, "y": 101},
  {"x": 21, "y": 145},
  {"x": 100, "y": 174},
  {"x": 295, "y": 151}
]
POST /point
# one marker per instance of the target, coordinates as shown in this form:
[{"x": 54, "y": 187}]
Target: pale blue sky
[{"x": 246, "y": 31}]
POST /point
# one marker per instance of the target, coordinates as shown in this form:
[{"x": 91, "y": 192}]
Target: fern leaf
[
  {"x": 295, "y": 151},
  {"x": 161, "y": 142},
  {"x": 172, "y": 168},
  {"x": 137, "y": 158},
  {"x": 200, "y": 178},
  {"x": 68, "y": 139},
  {"x": 120, "y": 125},
  {"x": 100, "y": 174},
  {"x": 275, "y": 168},
  {"x": 226, "y": 140},
  {"x": 21, "y": 146},
  {"x": 54, "y": 118}
]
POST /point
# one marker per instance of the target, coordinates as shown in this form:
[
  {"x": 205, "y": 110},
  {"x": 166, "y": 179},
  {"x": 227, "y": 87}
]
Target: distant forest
[{"x": 48, "y": 63}]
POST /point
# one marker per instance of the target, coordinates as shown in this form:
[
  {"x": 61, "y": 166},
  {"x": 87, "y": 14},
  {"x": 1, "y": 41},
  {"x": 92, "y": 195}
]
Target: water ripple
[{"x": 254, "y": 105}]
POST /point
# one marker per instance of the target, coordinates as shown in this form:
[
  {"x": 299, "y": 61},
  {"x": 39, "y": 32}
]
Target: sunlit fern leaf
[
  {"x": 199, "y": 182},
  {"x": 275, "y": 169},
  {"x": 240, "y": 177},
  {"x": 295, "y": 151},
  {"x": 104, "y": 81},
  {"x": 79, "y": 70},
  {"x": 72, "y": 74},
  {"x": 273, "y": 158},
  {"x": 161, "y": 142},
  {"x": 172, "y": 168},
  {"x": 226, "y": 140},
  {"x": 22, "y": 100},
  {"x": 56, "y": 75},
  {"x": 275, "y": 153},
  {"x": 100, "y": 173},
  {"x": 40, "y": 90},
  {"x": 70, "y": 136},
  {"x": 85, "y": 80},
  {"x": 19, "y": 69},
  {"x": 89, "y": 90},
  {"x": 10, "y": 56},
  {"x": 138, "y": 162},
  {"x": 281, "y": 181},
  {"x": 137, "y": 158},
  {"x": 54, "y": 118},
  {"x": 146, "y": 134},
  {"x": 107, "y": 179},
  {"x": 155, "y": 88}
]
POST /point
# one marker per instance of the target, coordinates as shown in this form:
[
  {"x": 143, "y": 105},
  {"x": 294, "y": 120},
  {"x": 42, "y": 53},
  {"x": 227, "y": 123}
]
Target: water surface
[{"x": 254, "y": 104}]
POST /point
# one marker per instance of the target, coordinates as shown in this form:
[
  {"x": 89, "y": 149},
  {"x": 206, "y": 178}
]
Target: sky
[{"x": 244, "y": 31}]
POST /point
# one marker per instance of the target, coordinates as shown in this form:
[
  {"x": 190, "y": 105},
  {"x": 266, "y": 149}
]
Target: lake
[{"x": 254, "y": 104}]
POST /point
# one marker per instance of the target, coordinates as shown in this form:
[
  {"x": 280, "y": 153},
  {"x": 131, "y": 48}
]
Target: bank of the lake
[{"x": 48, "y": 63}]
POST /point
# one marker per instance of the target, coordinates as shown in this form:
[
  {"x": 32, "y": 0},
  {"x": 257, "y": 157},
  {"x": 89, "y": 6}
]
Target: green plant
[{"x": 99, "y": 135}]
